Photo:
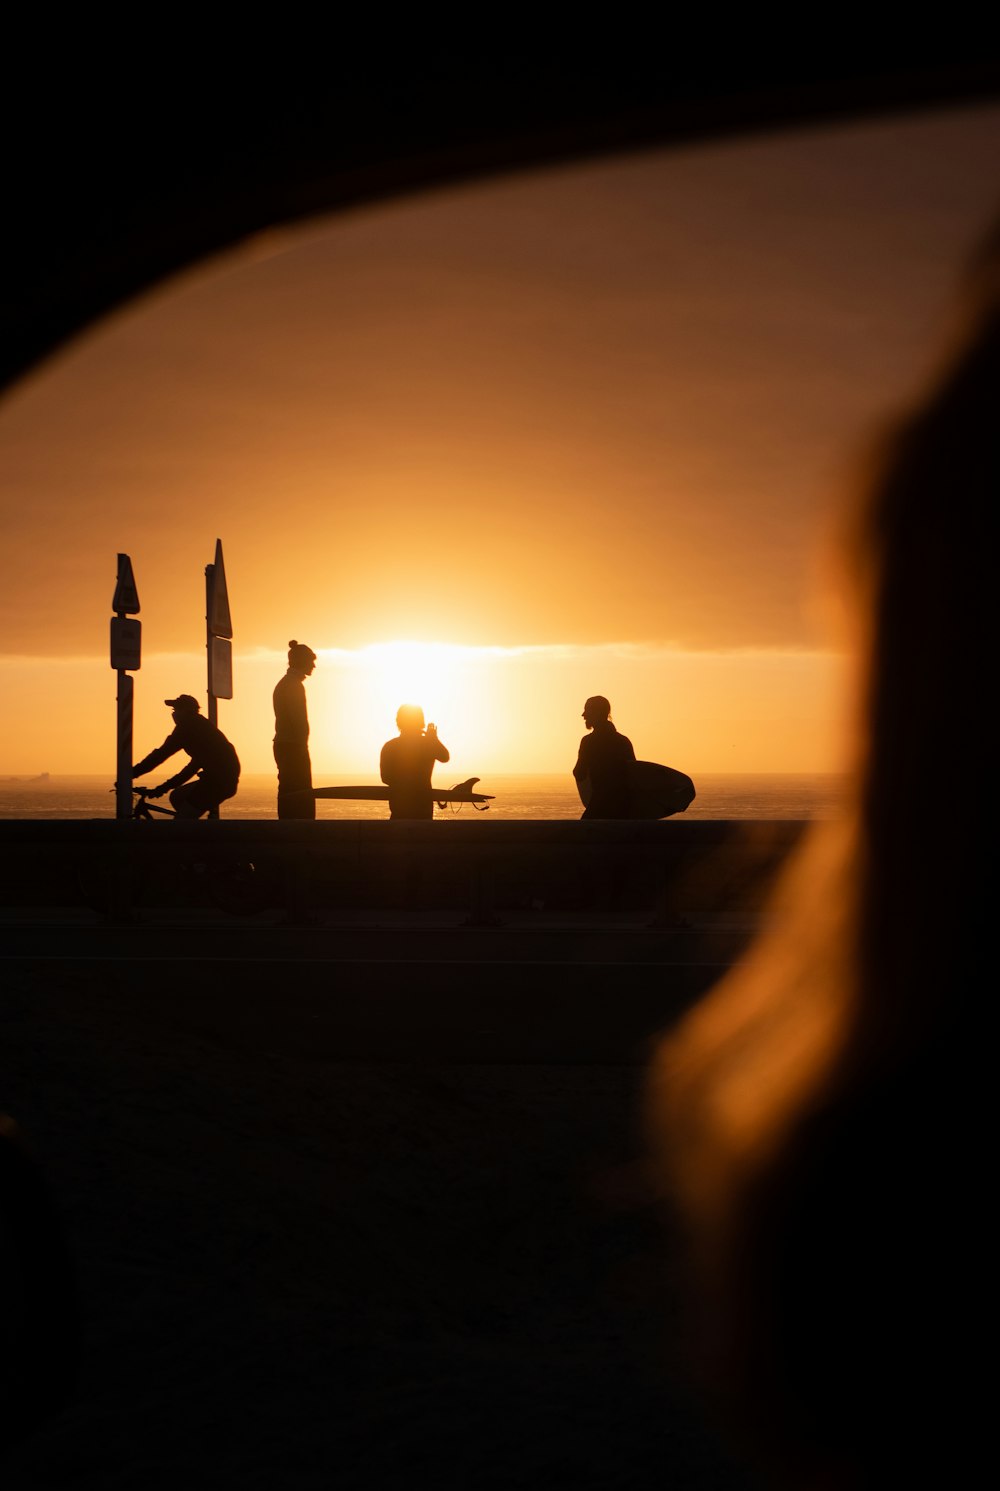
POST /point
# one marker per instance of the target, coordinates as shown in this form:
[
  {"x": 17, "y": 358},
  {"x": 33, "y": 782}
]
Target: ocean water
[{"x": 761, "y": 795}]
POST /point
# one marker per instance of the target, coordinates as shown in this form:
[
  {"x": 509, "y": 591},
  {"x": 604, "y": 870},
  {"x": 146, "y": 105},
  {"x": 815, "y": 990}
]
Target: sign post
[
  {"x": 218, "y": 638},
  {"x": 126, "y": 658}
]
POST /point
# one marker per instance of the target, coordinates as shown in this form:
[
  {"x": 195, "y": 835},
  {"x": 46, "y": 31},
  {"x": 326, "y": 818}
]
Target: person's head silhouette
[
  {"x": 301, "y": 658},
  {"x": 596, "y": 711},
  {"x": 409, "y": 719},
  {"x": 185, "y": 706}
]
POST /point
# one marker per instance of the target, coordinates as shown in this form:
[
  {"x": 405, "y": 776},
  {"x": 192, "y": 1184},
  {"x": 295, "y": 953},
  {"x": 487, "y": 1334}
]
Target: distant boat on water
[{"x": 43, "y": 776}]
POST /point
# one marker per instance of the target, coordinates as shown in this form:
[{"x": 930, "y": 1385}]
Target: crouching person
[{"x": 213, "y": 762}]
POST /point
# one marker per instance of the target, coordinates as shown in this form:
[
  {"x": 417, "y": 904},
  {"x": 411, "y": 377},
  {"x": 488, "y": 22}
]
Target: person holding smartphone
[{"x": 407, "y": 762}]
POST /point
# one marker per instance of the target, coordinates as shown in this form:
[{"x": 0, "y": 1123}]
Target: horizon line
[{"x": 348, "y": 656}]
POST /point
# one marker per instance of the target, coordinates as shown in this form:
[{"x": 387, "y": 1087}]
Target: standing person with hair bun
[{"x": 291, "y": 736}]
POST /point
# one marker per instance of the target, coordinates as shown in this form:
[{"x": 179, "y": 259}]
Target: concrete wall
[{"x": 669, "y": 870}]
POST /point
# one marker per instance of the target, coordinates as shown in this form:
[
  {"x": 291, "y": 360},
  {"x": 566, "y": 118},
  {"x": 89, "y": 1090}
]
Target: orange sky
[{"x": 602, "y": 413}]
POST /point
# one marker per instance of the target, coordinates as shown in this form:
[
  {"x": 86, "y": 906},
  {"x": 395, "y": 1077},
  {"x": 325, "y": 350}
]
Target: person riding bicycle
[{"x": 213, "y": 759}]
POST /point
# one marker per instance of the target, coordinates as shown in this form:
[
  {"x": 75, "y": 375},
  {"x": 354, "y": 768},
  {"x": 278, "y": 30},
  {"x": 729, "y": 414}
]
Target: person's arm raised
[{"x": 441, "y": 752}]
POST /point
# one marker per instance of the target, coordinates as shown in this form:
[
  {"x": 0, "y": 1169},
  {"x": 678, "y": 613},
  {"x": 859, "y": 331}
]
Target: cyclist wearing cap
[
  {"x": 291, "y": 735},
  {"x": 213, "y": 761}
]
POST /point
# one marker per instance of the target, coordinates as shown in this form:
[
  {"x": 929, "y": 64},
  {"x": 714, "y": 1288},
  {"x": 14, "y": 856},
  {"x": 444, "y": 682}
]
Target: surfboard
[
  {"x": 657, "y": 791},
  {"x": 463, "y": 792}
]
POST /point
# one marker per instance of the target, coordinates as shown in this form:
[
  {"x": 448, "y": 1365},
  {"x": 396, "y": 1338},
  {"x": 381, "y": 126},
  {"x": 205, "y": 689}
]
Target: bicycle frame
[{"x": 145, "y": 810}]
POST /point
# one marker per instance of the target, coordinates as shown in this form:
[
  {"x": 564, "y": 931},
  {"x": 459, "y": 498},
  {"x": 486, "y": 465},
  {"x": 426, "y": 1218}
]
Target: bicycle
[{"x": 143, "y": 809}]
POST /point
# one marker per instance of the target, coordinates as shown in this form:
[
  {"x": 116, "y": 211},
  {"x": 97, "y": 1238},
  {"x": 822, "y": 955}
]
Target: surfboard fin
[{"x": 463, "y": 792}]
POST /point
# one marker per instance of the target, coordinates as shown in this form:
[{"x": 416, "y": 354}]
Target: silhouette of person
[
  {"x": 291, "y": 735},
  {"x": 407, "y": 762},
  {"x": 213, "y": 759},
  {"x": 822, "y": 1113},
  {"x": 605, "y": 761}
]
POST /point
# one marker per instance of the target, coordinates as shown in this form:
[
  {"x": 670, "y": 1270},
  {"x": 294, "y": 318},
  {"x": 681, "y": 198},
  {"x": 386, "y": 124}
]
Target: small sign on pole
[
  {"x": 126, "y": 643},
  {"x": 126, "y": 658},
  {"x": 126, "y": 598}
]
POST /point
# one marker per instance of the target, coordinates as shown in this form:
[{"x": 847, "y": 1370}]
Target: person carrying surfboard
[
  {"x": 407, "y": 762},
  {"x": 291, "y": 735},
  {"x": 604, "y": 765}
]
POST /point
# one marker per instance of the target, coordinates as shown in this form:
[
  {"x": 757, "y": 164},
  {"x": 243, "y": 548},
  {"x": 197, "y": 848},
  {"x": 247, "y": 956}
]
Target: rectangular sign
[
  {"x": 126, "y": 643},
  {"x": 220, "y": 668}
]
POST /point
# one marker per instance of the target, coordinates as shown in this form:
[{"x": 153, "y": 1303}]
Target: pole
[
  {"x": 126, "y": 656},
  {"x": 123, "y": 776},
  {"x": 213, "y": 703}
]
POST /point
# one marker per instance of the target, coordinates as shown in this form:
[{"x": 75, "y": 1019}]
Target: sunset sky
[{"x": 495, "y": 449}]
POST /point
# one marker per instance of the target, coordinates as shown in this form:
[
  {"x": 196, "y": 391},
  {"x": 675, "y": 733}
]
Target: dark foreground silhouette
[
  {"x": 39, "y": 1365},
  {"x": 821, "y": 1113},
  {"x": 211, "y": 757},
  {"x": 366, "y": 1219}
]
